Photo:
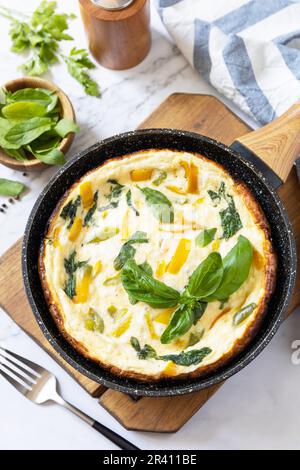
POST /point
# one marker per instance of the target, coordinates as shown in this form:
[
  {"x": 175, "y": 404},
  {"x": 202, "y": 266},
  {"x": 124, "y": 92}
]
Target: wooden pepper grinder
[{"x": 118, "y": 31}]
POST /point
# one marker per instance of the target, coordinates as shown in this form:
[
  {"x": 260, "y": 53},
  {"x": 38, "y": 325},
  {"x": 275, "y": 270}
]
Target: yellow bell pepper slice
[
  {"x": 97, "y": 268},
  {"x": 191, "y": 173},
  {"x": 83, "y": 286},
  {"x": 170, "y": 369},
  {"x": 125, "y": 226},
  {"x": 75, "y": 229},
  {"x": 216, "y": 245},
  {"x": 123, "y": 327},
  {"x": 150, "y": 325},
  {"x": 87, "y": 195},
  {"x": 180, "y": 256},
  {"x": 199, "y": 201},
  {"x": 141, "y": 174},
  {"x": 175, "y": 189},
  {"x": 57, "y": 231},
  {"x": 165, "y": 316},
  {"x": 161, "y": 268}
]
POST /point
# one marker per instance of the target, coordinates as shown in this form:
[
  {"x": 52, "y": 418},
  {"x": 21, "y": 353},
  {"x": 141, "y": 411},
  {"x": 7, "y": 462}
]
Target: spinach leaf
[
  {"x": 90, "y": 213},
  {"x": 244, "y": 313},
  {"x": 70, "y": 209},
  {"x": 115, "y": 189},
  {"x": 18, "y": 154},
  {"x": 237, "y": 264},
  {"x": 205, "y": 237},
  {"x": 160, "y": 179},
  {"x": 140, "y": 286},
  {"x": 160, "y": 205},
  {"x": 5, "y": 126},
  {"x": 65, "y": 126},
  {"x": 21, "y": 110},
  {"x": 50, "y": 157},
  {"x": 130, "y": 203},
  {"x": 26, "y": 131},
  {"x": 71, "y": 266},
  {"x": 207, "y": 277},
  {"x": 37, "y": 95},
  {"x": 11, "y": 188},
  {"x": 182, "y": 320},
  {"x": 147, "y": 352},
  {"x": 230, "y": 218},
  {"x": 187, "y": 358},
  {"x": 128, "y": 251}
]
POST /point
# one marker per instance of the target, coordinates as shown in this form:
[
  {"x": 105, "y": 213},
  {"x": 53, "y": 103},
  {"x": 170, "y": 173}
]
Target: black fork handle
[{"x": 114, "y": 437}]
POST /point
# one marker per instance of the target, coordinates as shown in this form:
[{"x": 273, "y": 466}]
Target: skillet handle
[{"x": 277, "y": 143}]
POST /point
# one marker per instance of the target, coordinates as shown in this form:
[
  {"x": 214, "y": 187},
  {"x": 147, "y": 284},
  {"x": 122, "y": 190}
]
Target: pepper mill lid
[{"x": 112, "y": 4}]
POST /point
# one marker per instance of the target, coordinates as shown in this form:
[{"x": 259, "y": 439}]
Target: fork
[{"x": 40, "y": 386}]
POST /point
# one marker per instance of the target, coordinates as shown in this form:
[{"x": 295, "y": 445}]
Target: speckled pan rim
[{"x": 162, "y": 388}]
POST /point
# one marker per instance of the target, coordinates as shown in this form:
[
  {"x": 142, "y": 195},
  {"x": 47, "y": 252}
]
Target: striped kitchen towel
[{"x": 249, "y": 50}]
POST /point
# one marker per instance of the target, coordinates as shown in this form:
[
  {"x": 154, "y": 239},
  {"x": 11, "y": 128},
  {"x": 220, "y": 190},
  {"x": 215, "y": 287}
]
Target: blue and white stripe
[{"x": 249, "y": 50}]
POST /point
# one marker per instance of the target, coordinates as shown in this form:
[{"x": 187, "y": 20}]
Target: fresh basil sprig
[
  {"x": 182, "y": 320},
  {"x": 212, "y": 280},
  {"x": 160, "y": 205},
  {"x": 140, "y": 286}
]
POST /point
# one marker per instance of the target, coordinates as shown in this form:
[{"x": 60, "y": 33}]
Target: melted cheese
[{"x": 194, "y": 211}]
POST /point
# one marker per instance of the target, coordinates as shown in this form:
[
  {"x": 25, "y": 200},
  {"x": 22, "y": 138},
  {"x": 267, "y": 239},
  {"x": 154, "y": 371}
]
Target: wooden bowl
[{"x": 67, "y": 112}]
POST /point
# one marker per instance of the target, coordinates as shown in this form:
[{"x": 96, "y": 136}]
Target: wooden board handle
[{"x": 277, "y": 143}]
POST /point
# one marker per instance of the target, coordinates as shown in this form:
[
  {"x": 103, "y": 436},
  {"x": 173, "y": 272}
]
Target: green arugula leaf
[
  {"x": 91, "y": 211},
  {"x": 182, "y": 320},
  {"x": 11, "y": 188},
  {"x": 187, "y": 358},
  {"x": 207, "y": 277},
  {"x": 130, "y": 203},
  {"x": 69, "y": 211},
  {"x": 140, "y": 286},
  {"x": 244, "y": 313},
  {"x": 78, "y": 65},
  {"x": 128, "y": 251},
  {"x": 237, "y": 264},
  {"x": 26, "y": 131},
  {"x": 205, "y": 237},
  {"x": 65, "y": 126},
  {"x": 160, "y": 205}
]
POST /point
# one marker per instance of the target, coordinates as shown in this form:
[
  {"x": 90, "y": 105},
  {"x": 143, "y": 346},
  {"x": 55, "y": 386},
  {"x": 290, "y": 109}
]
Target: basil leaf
[
  {"x": 244, "y": 313},
  {"x": 130, "y": 203},
  {"x": 142, "y": 287},
  {"x": 160, "y": 205},
  {"x": 128, "y": 251},
  {"x": 207, "y": 277},
  {"x": 205, "y": 237},
  {"x": 161, "y": 177},
  {"x": 69, "y": 211},
  {"x": 91, "y": 211},
  {"x": 65, "y": 126},
  {"x": 22, "y": 110},
  {"x": 187, "y": 358},
  {"x": 145, "y": 266},
  {"x": 25, "y": 132},
  {"x": 11, "y": 188},
  {"x": 237, "y": 264},
  {"x": 182, "y": 320}
]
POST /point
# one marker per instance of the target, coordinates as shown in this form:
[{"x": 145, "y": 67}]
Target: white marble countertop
[{"x": 258, "y": 407}]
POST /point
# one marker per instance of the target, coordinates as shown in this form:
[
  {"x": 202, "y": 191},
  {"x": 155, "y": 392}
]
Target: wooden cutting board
[{"x": 198, "y": 113}]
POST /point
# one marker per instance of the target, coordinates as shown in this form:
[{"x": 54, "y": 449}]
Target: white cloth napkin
[{"x": 249, "y": 50}]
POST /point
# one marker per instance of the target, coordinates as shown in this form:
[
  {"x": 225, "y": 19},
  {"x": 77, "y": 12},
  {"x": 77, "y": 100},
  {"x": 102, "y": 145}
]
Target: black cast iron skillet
[{"x": 258, "y": 176}]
